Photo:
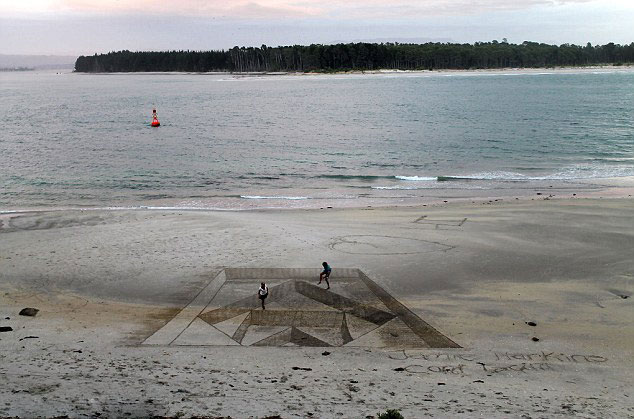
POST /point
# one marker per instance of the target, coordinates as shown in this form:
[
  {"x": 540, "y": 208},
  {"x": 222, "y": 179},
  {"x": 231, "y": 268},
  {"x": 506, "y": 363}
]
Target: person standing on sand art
[
  {"x": 325, "y": 274},
  {"x": 263, "y": 292}
]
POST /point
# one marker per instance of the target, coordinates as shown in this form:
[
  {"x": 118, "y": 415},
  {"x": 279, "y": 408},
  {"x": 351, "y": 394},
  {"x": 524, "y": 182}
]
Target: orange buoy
[{"x": 155, "y": 121}]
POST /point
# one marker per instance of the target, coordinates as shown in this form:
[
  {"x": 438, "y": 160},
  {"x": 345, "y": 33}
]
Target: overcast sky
[{"x": 74, "y": 27}]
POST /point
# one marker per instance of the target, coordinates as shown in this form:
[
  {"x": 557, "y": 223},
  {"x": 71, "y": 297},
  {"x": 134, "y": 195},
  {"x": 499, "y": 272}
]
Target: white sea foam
[
  {"x": 583, "y": 172},
  {"x": 489, "y": 176},
  {"x": 400, "y": 188},
  {"x": 291, "y": 198},
  {"x": 415, "y": 178},
  {"x": 435, "y": 185},
  {"x": 177, "y": 208},
  {"x": 572, "y": 173},
  {"x": 123, "y": 208}
]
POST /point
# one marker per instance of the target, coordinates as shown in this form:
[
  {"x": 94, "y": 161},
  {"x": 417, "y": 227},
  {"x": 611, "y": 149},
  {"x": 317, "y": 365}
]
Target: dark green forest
[{"x": 362, "y": 56}]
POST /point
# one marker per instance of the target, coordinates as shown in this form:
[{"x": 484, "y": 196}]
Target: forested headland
[{"x": 362, "y": 57}]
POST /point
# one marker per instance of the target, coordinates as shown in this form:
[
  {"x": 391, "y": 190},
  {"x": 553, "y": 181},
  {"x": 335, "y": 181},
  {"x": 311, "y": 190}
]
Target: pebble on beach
[{"x": 29, "y": 311}]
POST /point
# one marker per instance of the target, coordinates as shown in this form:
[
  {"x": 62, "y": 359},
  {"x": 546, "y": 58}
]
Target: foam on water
[
  {"x": 573, "y": 173},
  {"x": 290, "y": 198},
  {"x": 402, "y": 188},
  {"x": 580, "y": 172},
  {"x": 415, "y": 178}
]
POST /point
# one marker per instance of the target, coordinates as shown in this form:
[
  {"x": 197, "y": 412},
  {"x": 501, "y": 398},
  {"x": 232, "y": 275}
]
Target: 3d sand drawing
[{"x": 355, "y": 312}]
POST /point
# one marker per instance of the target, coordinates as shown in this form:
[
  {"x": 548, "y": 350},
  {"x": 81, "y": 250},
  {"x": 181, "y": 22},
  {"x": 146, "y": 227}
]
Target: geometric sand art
[
  {"x": 452, "y": 223},
  {"x": 354, "y": 312}
]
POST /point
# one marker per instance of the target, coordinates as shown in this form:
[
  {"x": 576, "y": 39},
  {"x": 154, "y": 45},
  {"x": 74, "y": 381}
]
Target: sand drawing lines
[
  {"x": 47, "y": 220},
  {"x": 357, "y": 312},
  {"x": 187, "y": 316},
  {"x": 385, "y": 245},
  {"x": 446, "y": 223}
]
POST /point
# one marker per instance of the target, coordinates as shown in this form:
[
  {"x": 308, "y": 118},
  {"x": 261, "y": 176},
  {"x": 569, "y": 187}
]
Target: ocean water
[{"x": 84, "y": 141}]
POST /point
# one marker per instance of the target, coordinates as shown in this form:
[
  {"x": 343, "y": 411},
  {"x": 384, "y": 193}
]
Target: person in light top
[{"x": 263, "y": 292}]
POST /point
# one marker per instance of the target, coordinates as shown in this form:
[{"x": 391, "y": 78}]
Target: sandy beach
[{"x": 536, "y": 295}]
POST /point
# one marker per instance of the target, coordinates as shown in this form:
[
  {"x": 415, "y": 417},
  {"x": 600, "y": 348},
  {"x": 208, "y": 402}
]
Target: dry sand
[{"x": 105, "y": 281}]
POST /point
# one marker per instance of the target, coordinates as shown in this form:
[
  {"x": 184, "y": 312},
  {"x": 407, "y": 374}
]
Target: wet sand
[{"x": 480, "y": 273}]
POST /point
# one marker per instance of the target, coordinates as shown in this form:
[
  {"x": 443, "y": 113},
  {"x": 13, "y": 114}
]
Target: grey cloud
[
  {"x": 257, "y": 11},
  {"x": 408, "y": 9}
]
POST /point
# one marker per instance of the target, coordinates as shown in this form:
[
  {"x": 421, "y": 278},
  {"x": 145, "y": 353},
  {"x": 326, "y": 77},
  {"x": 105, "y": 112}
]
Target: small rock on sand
[
  {"x": 6, "y": 329},
  {"x": 29, "y": 311}
]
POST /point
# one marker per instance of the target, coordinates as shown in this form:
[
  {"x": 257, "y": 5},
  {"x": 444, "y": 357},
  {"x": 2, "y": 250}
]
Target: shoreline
[
  {"x": 516, "y": 70},
  {"x": 513, "y": 70},
  {"x": 621, "y": 187}
]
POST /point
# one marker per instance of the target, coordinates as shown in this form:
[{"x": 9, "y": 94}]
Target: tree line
[{"x": 361, "y": 56}]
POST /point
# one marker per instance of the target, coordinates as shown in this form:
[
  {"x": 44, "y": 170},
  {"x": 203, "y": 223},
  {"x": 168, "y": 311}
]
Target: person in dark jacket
[
  {"x": 263, "y": 292},
  {"x": 325, "y": 274}
]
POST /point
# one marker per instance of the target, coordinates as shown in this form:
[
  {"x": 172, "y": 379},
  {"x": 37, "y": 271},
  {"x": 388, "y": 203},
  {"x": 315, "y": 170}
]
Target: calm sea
[{"x": 226, "y": 141}]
